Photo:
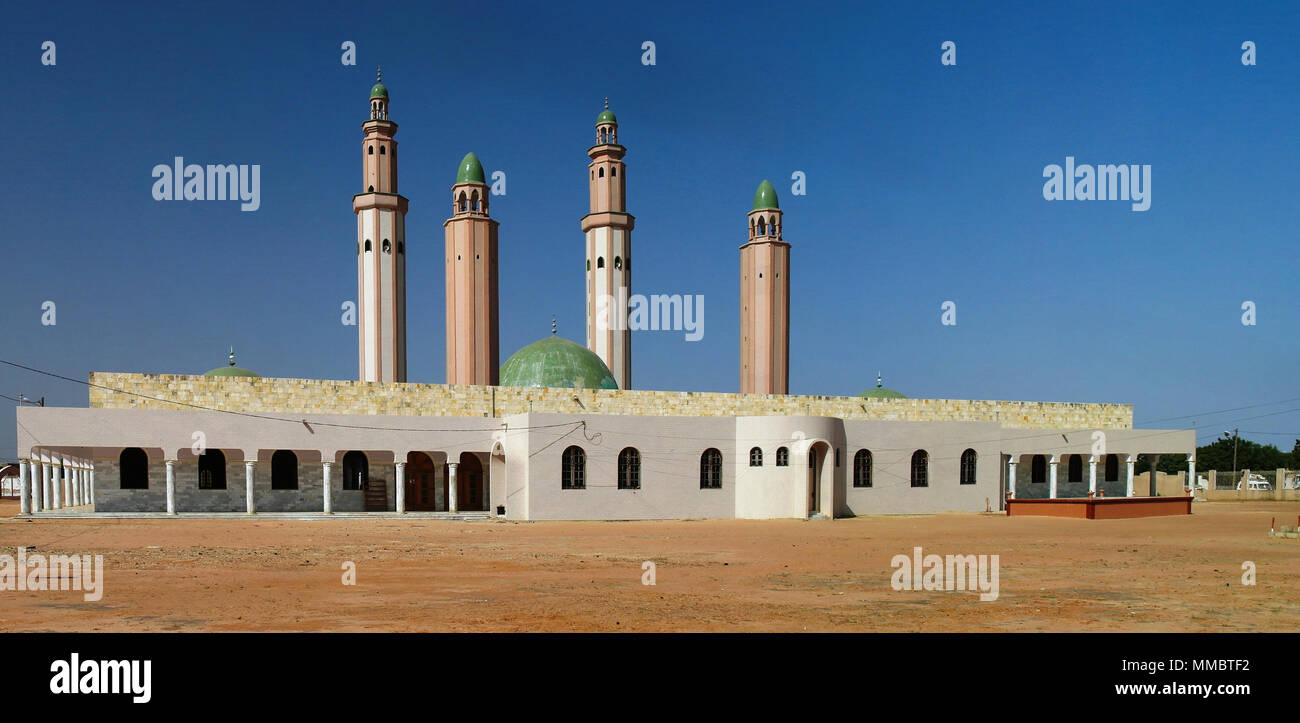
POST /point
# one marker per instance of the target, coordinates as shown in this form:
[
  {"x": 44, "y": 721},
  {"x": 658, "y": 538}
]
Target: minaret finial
[
  {"x": 880, "y": 381},
  {"x": 232, "y": 356},
  {"x": 554, "y": 327},
  {"x": 606, "y": 102},
  {"x": 379, "y": 73}
]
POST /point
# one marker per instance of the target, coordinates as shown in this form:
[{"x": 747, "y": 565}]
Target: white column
[
  {"x": 56, "y": 483},
  {"x": 325, "y": 471},
  {"x": 90, "y": 479},
  {"x": 249, "y": 502},
  {"x": 401, "y": 487},
  {"x": 24, "y": 489},
  {"x": 1092, "y": 474},
  {"x": 1051, "y": 476},
  {"x": 1011, "y": 476},
  {"x": 47, "y": 474},
  {"x": 1129, "y": 460},
  {"x": 171, "y": 486},
  {"x": 1191, "y": 476},
  {"x": 76, "y": 484},
  {"x": 67, "y": 483},
  {"x": 39, "y": 475},
  {"x": 451, "y": 486}
]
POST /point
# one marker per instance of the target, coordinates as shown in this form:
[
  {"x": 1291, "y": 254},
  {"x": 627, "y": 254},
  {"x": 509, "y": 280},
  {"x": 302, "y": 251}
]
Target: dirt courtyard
[{"x": 1157, "y": 574}]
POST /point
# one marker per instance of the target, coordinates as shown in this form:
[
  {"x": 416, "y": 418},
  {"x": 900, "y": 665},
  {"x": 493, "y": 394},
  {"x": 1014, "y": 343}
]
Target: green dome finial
[
  {"x": 378, "y": 90},
  {"x": 471, "y": 171},
  {"x": 557, "y": 363},
  {"x": 880, "y": 391},
  {"x": 765, "y": 196}
]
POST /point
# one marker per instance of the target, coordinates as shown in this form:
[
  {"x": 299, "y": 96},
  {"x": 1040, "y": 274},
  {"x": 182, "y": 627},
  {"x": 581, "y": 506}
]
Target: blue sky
[{"x": 924, "y": 185}]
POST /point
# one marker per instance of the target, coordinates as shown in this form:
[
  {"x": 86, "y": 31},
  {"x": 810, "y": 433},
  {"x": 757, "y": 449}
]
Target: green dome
[
  {"x": 606, "y": 116},
  {"x": 378, "y": 91},
  {"x": 471, "y": 171},
  {"x": 765, "y": 196},
  {"x": 557, "y": 363},
  {"x": 229, "y": 371},
  {"x": 882, "y": 393}
]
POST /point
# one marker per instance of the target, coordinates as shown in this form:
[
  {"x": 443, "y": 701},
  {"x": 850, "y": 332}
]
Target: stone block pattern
[{"x": 111, "y": 390}]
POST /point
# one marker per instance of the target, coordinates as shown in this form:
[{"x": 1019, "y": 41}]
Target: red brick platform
[{"x": 1102, "y": 508}]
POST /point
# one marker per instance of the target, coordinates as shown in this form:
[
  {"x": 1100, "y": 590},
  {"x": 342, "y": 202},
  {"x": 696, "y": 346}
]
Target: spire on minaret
[
  {"x": 232, "y": 356},
  {"x": 554, "y": 326},
  {"x": 379, "y": 73},
  {"x": 606, "y": 102},
  {"x": 880, "y": 381}
]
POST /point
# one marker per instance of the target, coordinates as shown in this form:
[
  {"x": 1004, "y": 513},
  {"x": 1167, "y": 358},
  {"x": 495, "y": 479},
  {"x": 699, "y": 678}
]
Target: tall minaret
[
  {"x": 765, "y": 300},
  {"x": 472, "y": 338},
  {"x": 609, "y": 248},
  {"x": 381, "y": 250}
]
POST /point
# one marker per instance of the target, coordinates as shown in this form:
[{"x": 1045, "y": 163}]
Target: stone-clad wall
[{"x": 315, "y": 396}]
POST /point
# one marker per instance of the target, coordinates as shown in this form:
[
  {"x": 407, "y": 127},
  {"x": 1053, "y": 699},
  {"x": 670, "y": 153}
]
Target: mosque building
[{"x": 557, "y": 431}]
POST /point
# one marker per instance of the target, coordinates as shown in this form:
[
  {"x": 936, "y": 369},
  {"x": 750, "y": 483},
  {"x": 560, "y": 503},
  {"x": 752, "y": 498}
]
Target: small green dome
[
  {"x": 765, "y": 196},
  {"x": 881, "y": 391},
  {"x": 229, "y": 371},
  {"x": 471, "y": 171},
  {"x": 378, "y": 91},
  {"x": 606, "y": 116},
  {"x": 557, "y": 363}
]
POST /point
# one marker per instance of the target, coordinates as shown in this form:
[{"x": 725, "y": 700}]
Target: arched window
[
  {"x": 284, "y": 470},
  {"x": 212, "y": 470},
  {"x": 473, "y": 201},
  {"x": 968, "y": 467},
  {"x": 381, "y": 150},
  {"x": 133, "y": 466},
  {"x": 600, "y": 262},
  {"x": 388, "y": 246},
  {"x": 762, "y": 228},
  {"x": 370, "y": 189},
  {"x": 920, "y": 468},
  {"x": 1112, "y": 468},
  {"x": 618, "y": 263},
  {"x": 1038, "y": 469},
  {"x": 367, "y": 244},
  {"x": 755, "y": 457},
  {"x": 356, "y": 471},
  {"x": 613, "y": 172},
  {"x": 589, "y": 264},
  {"x": 862, "y": 468},
  {"x": 573, "y": 469},
  {"x": 463, "y": 202},
  {"x": 601, "y": 174},
  {"x": 370, "y": 151},
  {"x": 782, "y": 457},
  {"x": 711, "y": 470},
  {"x": 1074, "y": 473},
  {"x": 629, "y": 469}
]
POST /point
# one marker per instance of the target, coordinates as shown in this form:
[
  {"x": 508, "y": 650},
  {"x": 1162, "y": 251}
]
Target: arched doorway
[
  {"x": 469, "y": 484},
  {"x": 420, "y": 480}
]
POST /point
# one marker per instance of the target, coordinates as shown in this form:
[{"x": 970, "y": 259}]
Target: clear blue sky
[{"x": 924, "y": 185}]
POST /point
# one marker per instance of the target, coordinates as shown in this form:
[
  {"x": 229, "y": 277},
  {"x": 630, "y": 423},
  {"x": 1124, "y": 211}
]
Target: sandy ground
[{"x": 1159, "y": 574}]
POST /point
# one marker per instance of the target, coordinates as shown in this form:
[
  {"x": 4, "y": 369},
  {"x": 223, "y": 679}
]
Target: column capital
[
  {"x": 400, "y": 464},
  {"x": 327, "y": 463},
  {"x": 1092, "y": 459},
  {"x": 1054, "y": 459}
]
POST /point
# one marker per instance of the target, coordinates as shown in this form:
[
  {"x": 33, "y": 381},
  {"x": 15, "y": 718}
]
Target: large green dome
[
  {"x": 606, "y": 116},
  {"x": 471, "y": 171},
  {"x": 557, "y": 363},
  {"x": 765, "y": 196},
  {"x": 378, "y": 91}
]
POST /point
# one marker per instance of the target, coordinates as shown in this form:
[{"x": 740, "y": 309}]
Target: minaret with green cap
[
  {"x": 608, "y": 231},
  {"x": 381, "y": 249},
  {"x": 473, "y": 346},
  {"x": 765, "y": 299}
]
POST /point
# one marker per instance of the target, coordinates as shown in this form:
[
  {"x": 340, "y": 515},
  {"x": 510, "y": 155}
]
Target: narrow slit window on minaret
[
  {"x": 370, "y": 189},
  {"x": 602, "y": 173},
  {"x": 367, "y": 244},
  {"x": 388, "y": 246},
  {"x": 613, "y": 171},
  {"x": 600, "y": 262},
  {"x": 370, "y": 151},
  {"x": 618, "y": 263},
  {"x": 381, "y": 151}
]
